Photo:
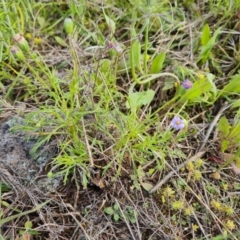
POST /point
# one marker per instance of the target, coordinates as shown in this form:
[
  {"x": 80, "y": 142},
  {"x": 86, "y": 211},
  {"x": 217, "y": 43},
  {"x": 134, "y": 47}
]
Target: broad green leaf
[
  {"x": 116, "y": 217},
  {"x": 223, "y": 126},
  {"x": 115, "y": 207},
  {"x": 199, "y": 90},
  {"x": 135, "y": 55},
  {"x": 138, "y": 99},
  {"x": 168, "y": 85},
  {"x": 109, "y": 210},
  {"x": 28, "y": 225},
  {"x": 232, "y": 87},
  {"x": 236, "y": 104},
  {"x": 210, "y": 78},
  {"x": 235, "y": 131},
  {"x": 60, "y": 41},
  {"x": 111, "y": 24},
  {"x": 151, "y": 171},
  {"x": 224, "y": 145},
  {"x": 236, "y": 140},
  {"x": 205, "y": 35},
  {"x": 132, "y": 219},
  {"x": 78, "y": 9},
  {"x": 41, "y": 21},
  {"x": 157, "y": 63},
  {"x": 205, "y": 50}
]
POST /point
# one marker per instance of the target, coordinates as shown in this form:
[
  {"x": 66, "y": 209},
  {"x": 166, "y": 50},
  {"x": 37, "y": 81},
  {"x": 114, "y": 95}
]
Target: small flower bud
[
  {"x": 68, "y": 25},
  {"x": 50, "y": 174},
  {"x": 28, "y": 35},
  {"x": 38, "y": 41},
  {"x": 21, "y": 42},
  {"x": 115, "y": 46},
  {"x": 18, "y": 53}
]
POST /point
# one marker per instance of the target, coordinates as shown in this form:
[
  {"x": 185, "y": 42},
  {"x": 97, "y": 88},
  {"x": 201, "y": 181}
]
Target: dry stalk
[{"x": 174, "y": 171}]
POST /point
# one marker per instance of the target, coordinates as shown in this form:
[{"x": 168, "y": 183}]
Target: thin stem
[
  {"x": 155, "y": 76},
  {"x": 146, "y": 45}
]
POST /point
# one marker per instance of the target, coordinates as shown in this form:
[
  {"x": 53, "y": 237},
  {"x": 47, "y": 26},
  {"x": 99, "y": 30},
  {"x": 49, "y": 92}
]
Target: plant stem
[{"x": 146, "y": 46}]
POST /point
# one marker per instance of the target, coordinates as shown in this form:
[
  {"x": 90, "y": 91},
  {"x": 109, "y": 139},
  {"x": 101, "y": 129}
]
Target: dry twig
[
  {"x": 174, "y": 171},
  {"x": 212, "y": 125}
]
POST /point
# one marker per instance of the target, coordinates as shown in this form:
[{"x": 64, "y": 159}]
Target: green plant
[
  {"x": 28, "y": 229},
  {"x": 5, "y": 204},
  {"x": 207, "y": 43},
  {"x": 7, "y": 219},
  {"x": 229, "y": 137},
  {"x": 123, "y": 89},
  {"x": 129, "y": 213}
]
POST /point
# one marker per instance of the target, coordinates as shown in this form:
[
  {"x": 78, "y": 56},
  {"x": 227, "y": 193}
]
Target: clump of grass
[{"x": 125, "y": 99}]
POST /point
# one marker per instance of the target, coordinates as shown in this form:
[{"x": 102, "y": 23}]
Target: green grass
[{"x": 107, "y": 91}]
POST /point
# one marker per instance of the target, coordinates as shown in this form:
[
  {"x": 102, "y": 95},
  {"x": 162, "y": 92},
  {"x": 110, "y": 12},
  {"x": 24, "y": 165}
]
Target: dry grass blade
[
  {"x": 174, "y": 171},
  {"x": 212, "y": 125},
  {"x": 7, "y": 219}
]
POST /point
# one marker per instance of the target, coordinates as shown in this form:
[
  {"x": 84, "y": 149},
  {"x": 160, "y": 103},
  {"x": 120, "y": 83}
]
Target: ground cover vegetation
[{"x": 140, "y": 101}]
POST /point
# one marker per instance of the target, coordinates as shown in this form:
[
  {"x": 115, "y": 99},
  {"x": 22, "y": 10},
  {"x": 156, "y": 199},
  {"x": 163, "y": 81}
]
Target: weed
[
  {"x": 127, "y": 90},
  {"x": 128, "y": 214}
]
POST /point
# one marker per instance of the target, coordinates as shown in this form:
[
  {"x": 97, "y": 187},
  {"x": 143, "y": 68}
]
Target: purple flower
[
  {"x": 177, "y": 123},
  {"x": 116, "y": 46},
  {"x": 187, "y": 84},
  {"x": 18, "y": 53}
]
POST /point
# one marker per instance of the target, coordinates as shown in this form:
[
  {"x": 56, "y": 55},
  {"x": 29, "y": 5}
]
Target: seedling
[{"x": 117, "y": 214}]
